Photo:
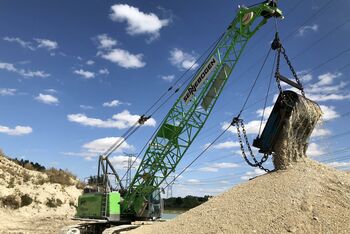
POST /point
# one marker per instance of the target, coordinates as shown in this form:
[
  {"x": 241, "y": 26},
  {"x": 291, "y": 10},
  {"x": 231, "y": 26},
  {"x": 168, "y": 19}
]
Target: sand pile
[
  {"x": 306, "y": 198},
  {"x": 29, "y": 203}
]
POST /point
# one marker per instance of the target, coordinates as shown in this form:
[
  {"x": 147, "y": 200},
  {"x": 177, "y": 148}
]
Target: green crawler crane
[{"x": 110, "y": 202}]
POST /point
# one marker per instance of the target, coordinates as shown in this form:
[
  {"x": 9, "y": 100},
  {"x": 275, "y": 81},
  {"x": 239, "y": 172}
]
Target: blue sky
[{"x": 76, "y": 74}]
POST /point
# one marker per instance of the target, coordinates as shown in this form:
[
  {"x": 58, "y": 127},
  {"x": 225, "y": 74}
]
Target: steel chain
[
  {"x": 277, "y": 73},
  {"x": 277, "y": 45},
  {"x": 239, "y": 124},
  {"x": 292, "y": 69}
]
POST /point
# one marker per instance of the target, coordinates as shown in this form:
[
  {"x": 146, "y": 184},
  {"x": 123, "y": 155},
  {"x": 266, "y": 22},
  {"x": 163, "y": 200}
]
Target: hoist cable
[
  {"x": 309, "y": 19},
  {"x": 267, "y": 95},
  {"x": 256, "y": 79},
  {"x": 199, "y": 155},
  {"x": 137, "y": 124},
  {"x": 212, "y": 48}
]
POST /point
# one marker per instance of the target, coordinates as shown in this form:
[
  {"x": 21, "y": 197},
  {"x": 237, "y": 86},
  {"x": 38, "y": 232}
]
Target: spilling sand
[
  {"x": 30, "y": 203},
  {"x": 299, "y": 116},
  {"x": 306, "y": 198}
]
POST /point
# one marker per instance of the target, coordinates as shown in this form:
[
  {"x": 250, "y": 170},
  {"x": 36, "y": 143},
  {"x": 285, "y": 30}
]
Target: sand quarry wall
[{"x": 29, "y": 203}]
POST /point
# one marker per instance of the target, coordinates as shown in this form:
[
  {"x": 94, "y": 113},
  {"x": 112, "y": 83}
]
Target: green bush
[
  {"x": 41, "y": 180},
  {"x": 26, "y": 200},
  {"x": 11, "y": 184},
  {"x": 53, "y": 203},
  {"x": 188, "y": 202},
  {"x": 11, "y": 201},
  {"x": 28, "y": 164},
  {"x": 60, "y": 176},
  {"x": 26, "y": 177}
]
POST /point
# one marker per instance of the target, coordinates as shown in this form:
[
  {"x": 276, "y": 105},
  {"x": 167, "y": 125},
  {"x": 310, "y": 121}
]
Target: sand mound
[
  {"x": 28, "y": 200},
  {"x": 306, "y": 198}
]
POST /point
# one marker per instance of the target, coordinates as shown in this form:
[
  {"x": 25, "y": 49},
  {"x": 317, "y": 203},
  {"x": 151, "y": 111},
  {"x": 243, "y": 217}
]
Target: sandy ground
[
  {"x": 16, "y": 222},
  {"x": 306, "y": 198}
]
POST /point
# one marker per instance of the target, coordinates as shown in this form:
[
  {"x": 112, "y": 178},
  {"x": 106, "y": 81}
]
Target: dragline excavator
[{"x": 110, "y": 204}]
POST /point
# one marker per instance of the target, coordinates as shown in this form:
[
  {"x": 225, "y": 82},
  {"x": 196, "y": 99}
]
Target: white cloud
[
  {"x": 319, "y": 131},
  {"x": 7, "y": 92},
  {"x": 100, "y": 145},
  {"x": 86, "y": 107},
  {"x": 103, "y": 71},
  {"x": 124, "y": 58},
  {"x": 328, "y": 97},
  {"x": 328, "y": 112},
  {"x": 138, "y": 22},
  {"x": 251, "y": 127},
  {"x": 182, "y": 59},
  {"x": 41, "y": 43},
  {"x": 225, "y": 165},
  {"x": 121, "y": 162},
  {"x": 8, "y": 67},
  {"x": 51, "y": 90},
  {"x": 168, "y": 78},
  {"x": 90, "y": 62},
  {"x": 217, "y": 166},
  {"x": 112, "y": 103},
  {"x": 106, "y": 42},
  {"x": 46, "y": 43},
  {"x": 224, "y": 145},
  {"x": 121, "y": 120},
  {"x": 314, "y": 150},
  {"x": 325, "y": 89},
  {"x": 193, "y": 181},
  {"x": 327, "y": 79},
  {"x": 307, "y": 28},
  {"x": 25, "y": 73},
  {"x": 29, "y": 73},
  {"x": 339, "y": 164},
  {"x": 47, "y": 99},
  {"x": 208, "y": 169},
  {"x": 17, "y": 131},
  {"x": 85, "y": 74},
  {"x": 304, "y": 76},
  {"x": 267, "y": 112},
  {"x": 251, "y": 174},
  {"x": 24, "y": 44}
]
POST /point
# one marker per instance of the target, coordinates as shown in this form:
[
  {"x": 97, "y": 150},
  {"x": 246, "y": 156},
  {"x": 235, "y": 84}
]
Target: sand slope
[
  {"x": 306, "y": 198},
  {"x": 37, "y": 217}
]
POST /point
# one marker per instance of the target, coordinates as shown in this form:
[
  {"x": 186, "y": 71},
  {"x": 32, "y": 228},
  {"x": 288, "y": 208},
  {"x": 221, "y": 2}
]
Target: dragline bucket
[{"x": 288, "y": 128}]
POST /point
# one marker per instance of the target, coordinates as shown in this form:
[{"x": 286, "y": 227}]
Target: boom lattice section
[{"x": 191, "y": 110}]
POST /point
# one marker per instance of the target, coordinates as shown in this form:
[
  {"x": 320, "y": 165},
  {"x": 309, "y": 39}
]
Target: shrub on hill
[
  {"x": 63, "y": 177},
  {"x": 60, "y": 176},
  {"x": 188, "y": 202}
]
